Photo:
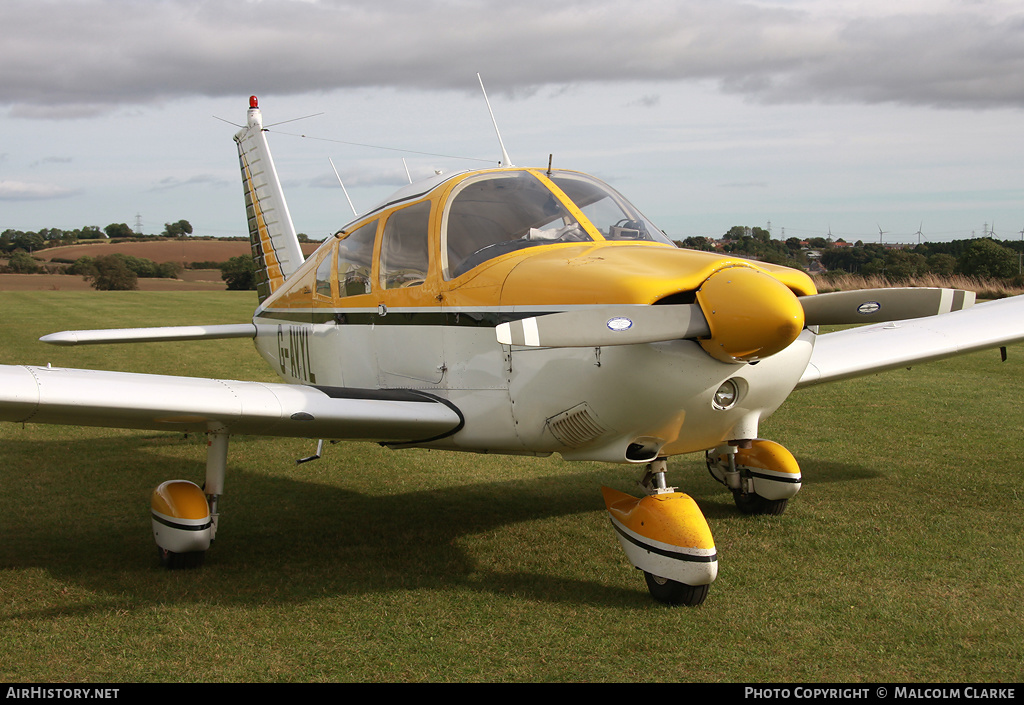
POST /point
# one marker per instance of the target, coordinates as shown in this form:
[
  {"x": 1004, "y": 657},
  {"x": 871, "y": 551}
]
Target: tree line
[
  {"x": 106, "y": 272},
  {"x": 983, "y": 258},
  {"x": 119, "y": 271},
  {"x": 31, "y": 241}
]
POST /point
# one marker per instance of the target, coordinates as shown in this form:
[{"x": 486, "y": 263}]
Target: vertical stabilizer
[{"x": 275, "y": 247}]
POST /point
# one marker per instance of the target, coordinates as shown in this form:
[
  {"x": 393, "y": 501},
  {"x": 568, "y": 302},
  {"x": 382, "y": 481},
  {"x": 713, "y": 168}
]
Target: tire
[
  {"x": 670, "y": 592},
  {"x": 751, "y": 503}
]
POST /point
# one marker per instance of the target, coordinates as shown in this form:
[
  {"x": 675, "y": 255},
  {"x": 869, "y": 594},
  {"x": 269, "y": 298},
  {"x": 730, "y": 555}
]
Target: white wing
[
  {"x": 885, "y": 346},
  {"x": 129, "y": 400}
]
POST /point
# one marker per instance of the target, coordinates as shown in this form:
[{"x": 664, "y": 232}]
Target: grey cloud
[
  {"x": 947, "y": 61},
  {"x": 84, "y": 55},
  {"x": 646, "y": 101}
]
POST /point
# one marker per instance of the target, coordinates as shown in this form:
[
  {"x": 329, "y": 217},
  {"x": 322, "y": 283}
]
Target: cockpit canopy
[
  {"x": 429, "y": 234},
  {"x": 462, "y": 240},
  {"x": 493, "y": 213}
]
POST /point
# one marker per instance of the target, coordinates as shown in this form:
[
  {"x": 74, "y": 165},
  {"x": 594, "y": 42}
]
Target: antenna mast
[
  {"x": 505, "y": 159},
  {"x": 354, "y": 211}
]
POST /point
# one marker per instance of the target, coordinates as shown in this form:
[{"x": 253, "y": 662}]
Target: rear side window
[
  {"x": 355, "y": 260},
  {"x": 404, "y": 251},
  {"x": 323, "y": 276}
]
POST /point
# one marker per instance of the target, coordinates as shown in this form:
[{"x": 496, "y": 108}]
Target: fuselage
[{"x": 408, "y": 297}]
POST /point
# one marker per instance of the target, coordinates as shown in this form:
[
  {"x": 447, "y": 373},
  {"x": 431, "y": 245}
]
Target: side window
[
  {"x": 404, "y": 251},
  {"x": 323, "y": 276},
  {"x": 608, "y": 211},
  {"x": 355, "y": 260}
]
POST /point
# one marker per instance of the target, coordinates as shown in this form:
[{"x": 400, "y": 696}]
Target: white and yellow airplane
[{"x": 519, "y": 311}]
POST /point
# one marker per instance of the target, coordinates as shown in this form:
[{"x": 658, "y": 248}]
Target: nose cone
[{"x": 751, "y": 315}]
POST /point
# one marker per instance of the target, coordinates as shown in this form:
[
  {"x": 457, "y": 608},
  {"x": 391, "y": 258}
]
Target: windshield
[
  {"x": 609, "y": 212},
  {"x": 502, "y": 212}
]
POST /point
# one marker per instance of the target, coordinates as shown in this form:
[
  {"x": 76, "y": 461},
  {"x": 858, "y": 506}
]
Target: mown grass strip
[{"x": 901, "y": 559}]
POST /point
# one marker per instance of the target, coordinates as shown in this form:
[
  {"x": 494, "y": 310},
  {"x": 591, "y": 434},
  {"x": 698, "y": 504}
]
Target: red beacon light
[{"x": 253, "y": 103}]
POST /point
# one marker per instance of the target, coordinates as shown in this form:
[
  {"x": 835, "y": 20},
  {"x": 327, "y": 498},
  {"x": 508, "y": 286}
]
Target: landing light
[{"x": 726, "y": 395}]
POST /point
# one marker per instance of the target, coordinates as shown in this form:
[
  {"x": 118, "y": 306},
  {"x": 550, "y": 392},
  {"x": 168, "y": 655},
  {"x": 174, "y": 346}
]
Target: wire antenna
[
  {"x": 505, "y": 159},
  {"x": 270, "y": 125},
  {"x": 285, "y": 122}
]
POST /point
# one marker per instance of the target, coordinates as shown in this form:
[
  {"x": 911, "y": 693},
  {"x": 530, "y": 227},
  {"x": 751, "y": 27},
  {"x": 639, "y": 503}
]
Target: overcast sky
[{"x": 849, "y": 116}]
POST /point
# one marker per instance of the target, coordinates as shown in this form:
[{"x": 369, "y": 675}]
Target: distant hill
[{"x": 183, "y": 251}]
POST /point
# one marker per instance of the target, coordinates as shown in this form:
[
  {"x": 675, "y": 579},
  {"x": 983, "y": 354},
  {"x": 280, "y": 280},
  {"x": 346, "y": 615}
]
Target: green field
[{"x": 901, "y": 560}]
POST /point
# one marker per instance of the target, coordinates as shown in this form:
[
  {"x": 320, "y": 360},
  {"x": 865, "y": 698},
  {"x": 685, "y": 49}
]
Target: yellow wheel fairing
[
  {"x": 768, "y": 455},
  {"x": 181, "y": 517},
  {"x": 665, "y": 535},
  {"x": 750, "y": 313},
  {"x": 773, "y": 472},
  {"x": 180, "y": 499},
  {"x": 773, "y": 469}
]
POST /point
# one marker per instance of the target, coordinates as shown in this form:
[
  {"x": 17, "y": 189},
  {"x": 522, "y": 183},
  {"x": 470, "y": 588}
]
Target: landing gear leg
[
  {"x": 653, "y": 480},
  {"x": 185, "y": 516},
  {"x": 216, "y": 465}
]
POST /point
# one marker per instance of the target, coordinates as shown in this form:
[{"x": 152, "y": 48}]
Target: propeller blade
[
  {"x": 606, "y": 325},
  {"x": 882, "y": 305},
  {"x": 630, "y": 325}
]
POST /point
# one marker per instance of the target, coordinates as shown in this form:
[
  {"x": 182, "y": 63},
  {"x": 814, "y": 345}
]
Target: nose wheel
[
  {"x": 665, "y": 535},
  {"x": 674, "y": 593}
]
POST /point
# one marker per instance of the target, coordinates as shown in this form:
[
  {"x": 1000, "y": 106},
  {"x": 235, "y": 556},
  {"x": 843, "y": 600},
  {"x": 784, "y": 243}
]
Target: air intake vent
[{"x": 575, "y": 427}]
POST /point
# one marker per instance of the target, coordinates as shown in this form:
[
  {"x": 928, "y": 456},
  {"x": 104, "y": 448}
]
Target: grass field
[{"x": 901, "y": 559}]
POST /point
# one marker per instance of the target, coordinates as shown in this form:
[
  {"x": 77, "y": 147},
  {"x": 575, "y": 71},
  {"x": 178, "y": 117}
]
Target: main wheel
[
  {"x": 674, "y": 593},
  {"x": 180, "y": 561},
  {"x": 750, "y": 503}
]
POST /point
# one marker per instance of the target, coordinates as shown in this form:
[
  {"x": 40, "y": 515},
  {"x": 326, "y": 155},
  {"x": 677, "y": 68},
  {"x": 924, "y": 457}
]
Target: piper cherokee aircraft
[{"x": 520, "y": 311}]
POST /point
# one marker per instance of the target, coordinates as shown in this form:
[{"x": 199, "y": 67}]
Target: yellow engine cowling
[
  {"x": 665, "y": 535},
  {"x": 181, "y": 517}
]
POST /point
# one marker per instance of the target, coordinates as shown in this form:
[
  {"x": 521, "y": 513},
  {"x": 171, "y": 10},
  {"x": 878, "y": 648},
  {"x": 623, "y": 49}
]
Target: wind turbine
[
  {"x": 880, "y": 234},
  {"x": 919, "y": 233}
]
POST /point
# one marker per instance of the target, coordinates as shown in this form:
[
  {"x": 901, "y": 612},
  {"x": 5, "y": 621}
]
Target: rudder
[{"x": 275, "y": 246}]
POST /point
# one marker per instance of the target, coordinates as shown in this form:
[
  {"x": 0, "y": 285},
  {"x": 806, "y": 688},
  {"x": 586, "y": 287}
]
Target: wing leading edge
[
  {"x": 150, "y": 335},
  {"x": 54, "y": 395},
  {"x": 860, "y": 351}
]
